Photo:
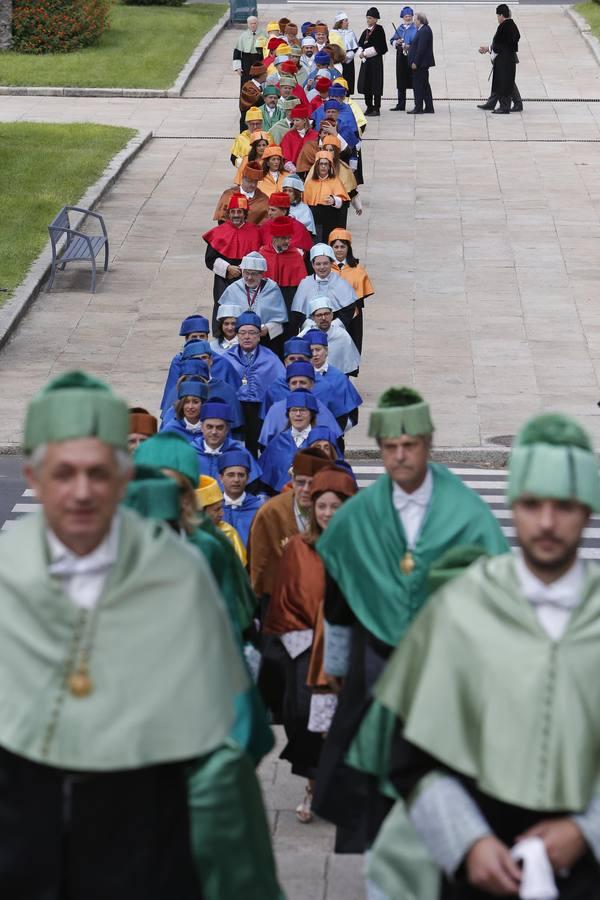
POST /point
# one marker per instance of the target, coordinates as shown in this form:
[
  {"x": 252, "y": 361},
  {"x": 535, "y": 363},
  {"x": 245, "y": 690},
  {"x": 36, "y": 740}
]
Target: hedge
[{"x": 58, "y": 26}]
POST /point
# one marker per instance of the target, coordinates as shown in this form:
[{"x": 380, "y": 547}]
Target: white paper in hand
[{"x": 537, "y": 882}]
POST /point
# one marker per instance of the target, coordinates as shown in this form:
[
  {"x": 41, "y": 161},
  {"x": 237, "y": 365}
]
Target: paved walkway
[{"x": 480, "y": 233}]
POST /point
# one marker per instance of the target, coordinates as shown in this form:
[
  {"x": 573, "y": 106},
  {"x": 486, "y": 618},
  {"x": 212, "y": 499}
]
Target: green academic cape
[
  {"x": 481, "y": 687},
  {"x": 164, "y": 663},
  {"x": 363, "y": 545}
]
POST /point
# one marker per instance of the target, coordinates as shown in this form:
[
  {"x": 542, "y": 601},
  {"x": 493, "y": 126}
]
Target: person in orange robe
[
  {"x": 348, "y": 266},
  {"x": 326, "y": 196},
  {"x": 273, "y": 172},
  {"x": 292, "y": 615}
]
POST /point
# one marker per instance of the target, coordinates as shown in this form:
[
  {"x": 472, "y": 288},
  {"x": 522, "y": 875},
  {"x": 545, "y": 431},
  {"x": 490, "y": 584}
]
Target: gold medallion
[
  {"x": 80, "y": 684},
  {"x": 407, "y": 563}
]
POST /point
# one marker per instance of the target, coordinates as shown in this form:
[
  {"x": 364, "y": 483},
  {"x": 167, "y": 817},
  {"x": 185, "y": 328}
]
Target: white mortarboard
[
  {"x": 254, "y": 261},
  {"x": 319, "y": 303}
]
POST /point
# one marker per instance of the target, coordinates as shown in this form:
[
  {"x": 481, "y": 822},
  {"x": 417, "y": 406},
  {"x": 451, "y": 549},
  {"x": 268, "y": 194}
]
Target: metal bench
[{"x": 79, "y": 247}]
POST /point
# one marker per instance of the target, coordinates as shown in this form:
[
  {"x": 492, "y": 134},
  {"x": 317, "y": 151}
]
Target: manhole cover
[{"x": 503, "y": 440}]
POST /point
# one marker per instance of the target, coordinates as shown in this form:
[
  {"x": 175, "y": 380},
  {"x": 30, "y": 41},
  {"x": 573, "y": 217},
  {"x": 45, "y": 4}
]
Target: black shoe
[
  {"x": 369, "y": 111},
  {"x": 500, "y": 112},
  {"x": 376, "y": 112},
  {"x": 517, "y": 107},
  {"x": 397, "y": 108},
  {"x": 486, "y": 105},
  {"x": 414, "y": 112},
  {"x": 429, "y": 110}
]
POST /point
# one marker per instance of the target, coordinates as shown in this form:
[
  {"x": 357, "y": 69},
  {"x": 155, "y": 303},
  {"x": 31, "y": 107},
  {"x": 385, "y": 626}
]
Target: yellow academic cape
[
  {"x": 357, "y": 278},
  {"x": 317, "y": 191},
  {"x": 241, "y": 147},
  {"x": 238, "y": 545}
]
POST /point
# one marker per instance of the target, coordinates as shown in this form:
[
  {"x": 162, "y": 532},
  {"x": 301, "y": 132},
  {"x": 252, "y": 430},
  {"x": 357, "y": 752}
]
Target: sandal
[{"x": 304, "y": 812}]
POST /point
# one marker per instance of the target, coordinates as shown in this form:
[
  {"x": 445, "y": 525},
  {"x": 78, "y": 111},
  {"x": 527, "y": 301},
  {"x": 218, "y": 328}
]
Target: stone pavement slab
[{"x": 480, "y": 233}]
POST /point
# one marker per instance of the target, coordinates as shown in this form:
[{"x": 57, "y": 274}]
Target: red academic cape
[
  {"x": 232, "y": 242},
  {"x": 292, "y": 143},
  {"x": 287, "y": 268},
  {"x": 301, "y": 236}
]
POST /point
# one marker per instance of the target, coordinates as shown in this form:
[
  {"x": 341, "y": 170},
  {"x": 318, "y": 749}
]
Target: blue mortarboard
[
  {"x": 301, "y": 398},
  {"x": 332, "y": 104},
  {"x": 322, "y": 58},
  {"x": 296, "y": 345},
  {"x": 196, "y": 348},
  {"x": 247, "y": 318},
  {"x": 234, "y": 458},
  {"x": 194, "y": 323},
  {"x": 192, "y": 389},
  {"x": 215, "y": 410},
  {"x": 194, "y": 367},
  {"x": 337, "y": 90},
  {"x": 299, "y": 368},
  {"x": 305, "y": 26},
  {"x": 322, "y": 433},
  {"x": 406, "y": 11},
  {"x": 314, "y": 336}
]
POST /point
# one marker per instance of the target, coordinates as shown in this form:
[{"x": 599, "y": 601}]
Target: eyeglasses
[{"x": 248, "y": 333}]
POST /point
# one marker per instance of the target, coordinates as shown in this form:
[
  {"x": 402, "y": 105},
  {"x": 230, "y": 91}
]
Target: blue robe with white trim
[
  {"x": 216, "y": 390},
  {"x": 337, "y": 392},
  {"x": 221, "y": 370},
  {"x": 257, "y": 374},
  {"x": 209, "y": 462},
  {"x": 241, "y": 517},
  {"x": 278, "y": 458},
  {"x": 276, "y": 421}
]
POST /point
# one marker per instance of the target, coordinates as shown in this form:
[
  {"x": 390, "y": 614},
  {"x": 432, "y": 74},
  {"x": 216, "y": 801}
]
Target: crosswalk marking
[{"x": 490, "y": 484}]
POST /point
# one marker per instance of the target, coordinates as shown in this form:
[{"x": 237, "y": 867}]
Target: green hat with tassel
[
  {"x": 76, "y": 405},
  {"x": 400, "y": 410},
  {"x": 168, "y": 450},
  {"x": 553, "y": 457}
]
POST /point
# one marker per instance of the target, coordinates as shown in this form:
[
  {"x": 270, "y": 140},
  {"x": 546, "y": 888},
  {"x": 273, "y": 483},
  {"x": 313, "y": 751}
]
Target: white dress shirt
[
  {"x": 412, "y": 507},
  {"x": 194, "y": 427},
  {"x": 234, "y": 504},
  {"x": 83, "y": 577},
  {"x": 299, "y": 437},
  {"x": 553, "y": 603}
]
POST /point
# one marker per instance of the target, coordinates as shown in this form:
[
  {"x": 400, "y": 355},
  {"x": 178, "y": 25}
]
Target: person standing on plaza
[
  {"x": 401, "y": 41},
  {"x": 381, "y": 545},
  {"x": 504, "y": 52},
  {"x": 421, "y": 60},
  {"x": 248, "y": 50},
  {"x": 95, "y": 738},
  {"x": 372, "y": 48},
  {"x": 341, "y": 28}
]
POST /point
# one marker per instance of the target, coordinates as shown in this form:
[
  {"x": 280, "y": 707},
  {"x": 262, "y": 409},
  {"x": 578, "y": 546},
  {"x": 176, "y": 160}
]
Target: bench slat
[{"x": 79, "y": 248}]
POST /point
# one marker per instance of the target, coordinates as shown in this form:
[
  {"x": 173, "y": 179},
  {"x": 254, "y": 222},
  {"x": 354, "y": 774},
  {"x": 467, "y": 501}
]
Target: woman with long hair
[
  {"x": 293, "y": 612},
  {"x": 259, "y": 142},
  {"x": 273, "y": 171},
  {"x": 225, "y": 334},
  {"x": 326, "y": 196},
  {"x": 348, "y": 266}
]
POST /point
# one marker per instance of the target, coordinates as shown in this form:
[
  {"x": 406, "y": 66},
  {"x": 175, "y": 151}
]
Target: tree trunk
[{"x": 5, "y": 24}]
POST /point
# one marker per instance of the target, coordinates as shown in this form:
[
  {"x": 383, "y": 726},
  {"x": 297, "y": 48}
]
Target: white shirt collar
[
  {"x": 83, "y": 577},
  {"x": 565, "y": 592},
  {"x": 210, "y": 451},
  {"x": 323, "y": 368},
  {"x": 300, "y": 436},
  {"x": 420, "y": 497},
  {"x": 412, "y": 508},
  {"x": 193, "y": 427},
  {"x": 234, "y": 504},
  {"x": 248, "y": 194}
]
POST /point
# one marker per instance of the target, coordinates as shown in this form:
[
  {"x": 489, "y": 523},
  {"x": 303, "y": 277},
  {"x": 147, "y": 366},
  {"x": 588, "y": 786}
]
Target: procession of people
[{"x": 205, "y": 571}]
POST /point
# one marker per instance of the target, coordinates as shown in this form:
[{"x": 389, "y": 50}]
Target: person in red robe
[
  {"x": 322, "y": 85},
  {"x": 227, "y": 244},
  {"x": 279, "y": 205},
  {"x": 285, "y": 265},
  {"x": 301, "y": 132}
]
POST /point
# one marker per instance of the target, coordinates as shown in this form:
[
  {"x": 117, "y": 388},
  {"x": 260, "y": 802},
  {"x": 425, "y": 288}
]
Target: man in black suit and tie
[{"x": 420, "y": 59}]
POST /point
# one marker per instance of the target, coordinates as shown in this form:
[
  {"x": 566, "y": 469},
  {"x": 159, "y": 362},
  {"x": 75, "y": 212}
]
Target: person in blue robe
[
  {"x": 256, "y": 293},
  {"x": 299, "y": 376},
  {"x": 332, "y": 386},
  {"x": 295, "y": 350},
  {"x": 239, "y": 506},
  {"x": 322, "y": 438},
  {"x": 185, "y": 421},
  {"x": 300, "y": 412},
  {"x": 324, "y": 283},
  {"x": 217, "y": 390},
  {"x": 345, "y": 124},
  {"x": 214, "y": 439},
  {"x": 258, "y": 367},
  {"x": 220, "y": 366}
]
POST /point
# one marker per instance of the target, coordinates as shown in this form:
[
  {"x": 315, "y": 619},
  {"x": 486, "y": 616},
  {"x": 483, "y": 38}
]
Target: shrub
[
  {"x": 158, "y": 2},
  {"x": 58, "y": 26}
]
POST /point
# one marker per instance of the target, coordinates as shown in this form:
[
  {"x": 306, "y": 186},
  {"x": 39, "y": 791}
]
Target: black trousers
[
  {"x": 373, "y": 101},
  {"x": 253, "y": 423},
  {"x": 515, "y": 97},
  {"x": 422, "y": 90}
]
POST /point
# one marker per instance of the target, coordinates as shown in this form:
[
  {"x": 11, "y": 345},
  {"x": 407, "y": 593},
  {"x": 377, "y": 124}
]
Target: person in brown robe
[
  {"x": 258, "y": 203},
  {"x": 292, "y": 615},
  {"x": 275, "y": 523}
]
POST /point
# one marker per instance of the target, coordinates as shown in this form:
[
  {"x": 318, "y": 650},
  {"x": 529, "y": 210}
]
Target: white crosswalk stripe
[{"x": 490, "y": 484}]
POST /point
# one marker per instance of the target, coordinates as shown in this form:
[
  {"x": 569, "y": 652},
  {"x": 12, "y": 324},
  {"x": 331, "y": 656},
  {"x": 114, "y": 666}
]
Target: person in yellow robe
[
  {"x": 241, "y": 145},
  {"x": 210, "y": 498}
]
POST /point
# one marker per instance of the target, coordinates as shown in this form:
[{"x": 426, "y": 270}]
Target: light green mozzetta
[
  {"x": 164, "y": 664},
  {"x": 481, "y": 687}
]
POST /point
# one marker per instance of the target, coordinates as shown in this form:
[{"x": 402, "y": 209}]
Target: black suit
[{"x": 421, "y": 54}]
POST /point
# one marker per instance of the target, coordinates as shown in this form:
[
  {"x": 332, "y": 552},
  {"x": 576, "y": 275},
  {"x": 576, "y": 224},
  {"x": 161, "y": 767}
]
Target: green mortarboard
[
  {"x": 290, "y": 103},
  {"x": 287, "y": 79},
  {"x": 153, "y": 495},
  {"x": 451, "y": 564},
  {"x": 76, "y": 405},
  {"x": 400, "y": 410},
  {"x": 167, "y": 450},
  {"x": 553, "y": 457},
  {"x": 271, "y": 91}
]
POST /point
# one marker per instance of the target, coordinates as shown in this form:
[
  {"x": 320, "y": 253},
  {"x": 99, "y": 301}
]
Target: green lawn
[
  {"x": 591, "y": 12},
  {"x": 145, "y": 47},
  {"x": 45, "y": 167}
]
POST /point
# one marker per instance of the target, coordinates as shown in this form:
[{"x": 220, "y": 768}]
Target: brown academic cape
[
  {"x": 257, "y": 206},
  {"x": 273, "y": 525},
  {"x": 250, "y": 95},
  {"x": 299, "y": 589}
]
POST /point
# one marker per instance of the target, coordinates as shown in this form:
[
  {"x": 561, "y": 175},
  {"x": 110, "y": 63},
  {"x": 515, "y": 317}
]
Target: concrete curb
[
  {"x": 486, "y": 457},
  {"x": 586, "y": 32},
  {"x": 19, "y": 304},
  {"x": 173, "y": 93}
]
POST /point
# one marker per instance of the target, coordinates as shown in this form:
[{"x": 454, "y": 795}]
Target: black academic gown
[
  {"x": 505, "y": 45},
  {"x": 370, "y": 77},
  {"x": 94, "y": 836}
]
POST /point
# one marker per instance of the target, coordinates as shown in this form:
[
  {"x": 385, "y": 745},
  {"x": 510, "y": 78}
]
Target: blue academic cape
[
  {"x": 216, "y": 389},
  {"x": 276, "y": 421},
  {"x": 277, "y": 391},
  {"x": 241, "y": 517},
  {"x": 404, "y": 32},
  {"x": 257, "y": 374},
  {"x": 172, "y": 423},
  {"x": 278, "y": 457},
  {"x": 269, "y": 305},
  {"x": 346, "y": 124},
  {"x": 221, "y": 370},
  {"x": 209, "y": 462},
  {"x": 337, "y": 392}
]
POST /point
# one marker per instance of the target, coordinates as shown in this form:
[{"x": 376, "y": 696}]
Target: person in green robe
[
  {"x": 228, "y": 818},
  {"x": 111, "y": 683},
  {"x": 377, "y": 555},
  {"x": 496, "y": 694}
]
